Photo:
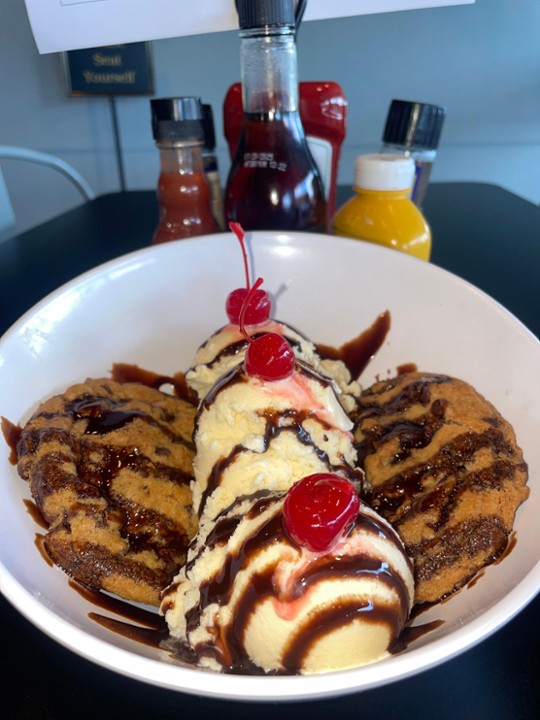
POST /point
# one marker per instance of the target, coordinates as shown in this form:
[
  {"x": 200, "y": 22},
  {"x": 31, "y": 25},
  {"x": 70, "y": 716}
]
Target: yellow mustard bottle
[{"x": 381, "y": 210}]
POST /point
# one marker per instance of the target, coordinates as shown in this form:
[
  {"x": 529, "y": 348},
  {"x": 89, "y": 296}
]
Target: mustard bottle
[{"x": 381, "y": 210}]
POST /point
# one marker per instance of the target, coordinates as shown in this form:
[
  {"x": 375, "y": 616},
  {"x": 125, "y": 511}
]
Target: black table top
[{"x": 482, "y": 233}]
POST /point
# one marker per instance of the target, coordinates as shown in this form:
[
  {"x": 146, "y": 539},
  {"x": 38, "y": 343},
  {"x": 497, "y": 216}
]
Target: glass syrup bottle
[{"x": 274, "y": 182}]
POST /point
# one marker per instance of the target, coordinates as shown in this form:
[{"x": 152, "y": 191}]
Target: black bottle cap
[
  {"x": 263, "y": 13},
  {"x": 177, "y": 119},
  {"x": 414, "y": 124},
  {"x": 208, "y": 127}
]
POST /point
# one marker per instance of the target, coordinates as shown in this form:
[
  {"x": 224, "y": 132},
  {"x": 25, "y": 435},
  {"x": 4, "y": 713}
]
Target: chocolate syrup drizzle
[
  {"x": 355, "y": 353},
  {"x": 276, "y": 422},
  {"x": 228, "y": 645},
  {"x": 98, "y": 465},
  {"x": 437, "y": 485},
  {"x": 85, "y": 466},
  {"x": 235, "y": 349},
  {"x": 128, "y": 373}
]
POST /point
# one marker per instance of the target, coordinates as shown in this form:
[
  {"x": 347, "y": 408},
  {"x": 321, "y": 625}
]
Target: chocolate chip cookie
[
  {"x": 109, "y": 465},
  {"x": 443, "y": 467}
]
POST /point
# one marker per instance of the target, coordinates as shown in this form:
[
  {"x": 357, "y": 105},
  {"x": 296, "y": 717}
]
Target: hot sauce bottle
[
  {"x": 183, "y": 191},
  {"x": 274, "y": 182}
]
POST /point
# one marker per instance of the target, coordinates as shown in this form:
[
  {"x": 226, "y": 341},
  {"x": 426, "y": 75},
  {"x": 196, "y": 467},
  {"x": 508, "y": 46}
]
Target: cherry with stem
[
  {"x": 269, "y": 357},
  {"x": 258, "y": 310}
]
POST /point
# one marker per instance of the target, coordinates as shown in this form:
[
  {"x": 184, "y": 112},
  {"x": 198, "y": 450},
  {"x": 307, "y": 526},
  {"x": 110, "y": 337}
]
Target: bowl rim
[{"x": 246, "y": 687}]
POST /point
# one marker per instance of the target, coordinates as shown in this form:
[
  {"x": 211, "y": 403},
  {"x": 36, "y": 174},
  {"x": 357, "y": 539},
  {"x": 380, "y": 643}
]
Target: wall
[{"x": 481, "y": 61}]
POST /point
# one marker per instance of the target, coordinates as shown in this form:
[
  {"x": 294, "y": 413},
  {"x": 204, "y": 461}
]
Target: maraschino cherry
[
  {"x": 319, "y": 510},
  {"x": 269, "y": 357},
  {"x": 258, "y": 310}
]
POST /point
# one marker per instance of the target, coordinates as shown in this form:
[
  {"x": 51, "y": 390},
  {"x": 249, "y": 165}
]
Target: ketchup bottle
[
  {"x": 274, "y": 182},
  {"x": 184, "y": 193}
]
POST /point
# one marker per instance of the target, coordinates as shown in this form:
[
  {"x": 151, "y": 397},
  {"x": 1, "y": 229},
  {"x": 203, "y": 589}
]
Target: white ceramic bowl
[{"x": 153, "y": 308}]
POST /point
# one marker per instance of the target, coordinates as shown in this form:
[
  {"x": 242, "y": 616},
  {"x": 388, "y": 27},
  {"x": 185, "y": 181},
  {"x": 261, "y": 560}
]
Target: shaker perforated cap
[
  {"x": 262, "y": 13},
  {"x": 177, "y": 119},
  {"x": 383, "y": 172},
  {"x": 414, "y": 124}
]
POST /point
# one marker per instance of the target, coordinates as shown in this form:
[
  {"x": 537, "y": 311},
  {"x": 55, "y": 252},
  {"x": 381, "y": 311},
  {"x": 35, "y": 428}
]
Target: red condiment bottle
[
  {"x": 274, "y": 182},
  {"x": 183, "y": 191}
]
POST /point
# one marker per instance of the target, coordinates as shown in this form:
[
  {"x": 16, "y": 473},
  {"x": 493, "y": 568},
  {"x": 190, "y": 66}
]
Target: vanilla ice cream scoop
[
  {"x": 252, "y": 435},
  {"x": 249, "y": 310},
  {"x": 226, "y": 349},
  {"x": 252, "y": 599}
]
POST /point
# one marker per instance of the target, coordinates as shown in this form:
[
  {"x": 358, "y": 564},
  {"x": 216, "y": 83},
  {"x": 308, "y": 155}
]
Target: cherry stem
[
  {"x": 245, "y": 304},
  {"x": 241, "y": 235}
]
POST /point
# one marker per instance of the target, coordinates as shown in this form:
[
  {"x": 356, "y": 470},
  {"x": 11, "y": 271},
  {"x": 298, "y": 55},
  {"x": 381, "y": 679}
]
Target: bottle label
[
  {"x": 322, "y": 154},
  {"x": 264, "y": 160}
]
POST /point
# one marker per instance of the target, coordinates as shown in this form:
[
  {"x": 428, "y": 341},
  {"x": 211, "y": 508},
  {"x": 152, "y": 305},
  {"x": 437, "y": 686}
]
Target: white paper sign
[{"x": 60, "y": 25}]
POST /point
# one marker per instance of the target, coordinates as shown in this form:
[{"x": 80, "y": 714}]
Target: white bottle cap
[{"x": 384, "y": 172}]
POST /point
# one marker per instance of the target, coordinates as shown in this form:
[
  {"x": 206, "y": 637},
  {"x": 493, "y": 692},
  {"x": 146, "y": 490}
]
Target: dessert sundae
[{"x": 283, "y": 519}]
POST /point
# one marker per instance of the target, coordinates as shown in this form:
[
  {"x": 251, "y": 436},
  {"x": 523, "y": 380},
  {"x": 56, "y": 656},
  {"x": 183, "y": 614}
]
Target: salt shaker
[{"x": 413, "y": 129}]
